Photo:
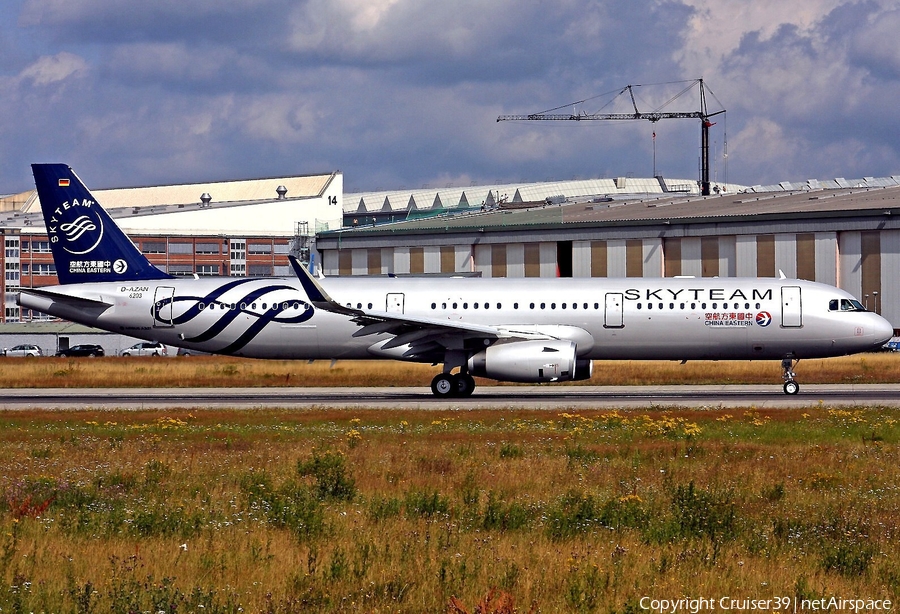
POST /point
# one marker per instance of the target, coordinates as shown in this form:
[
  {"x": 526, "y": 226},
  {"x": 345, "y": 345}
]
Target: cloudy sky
[{"x": 405, "y": 93}]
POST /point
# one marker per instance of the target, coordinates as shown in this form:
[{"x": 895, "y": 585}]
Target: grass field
[
  {"x": 202, "y": 371},
  {"x": 464, "y": 511}
]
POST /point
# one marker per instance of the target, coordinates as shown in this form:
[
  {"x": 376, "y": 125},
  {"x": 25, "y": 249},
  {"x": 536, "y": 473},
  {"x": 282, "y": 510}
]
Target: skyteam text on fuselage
[{"x": 521, "y": 330}]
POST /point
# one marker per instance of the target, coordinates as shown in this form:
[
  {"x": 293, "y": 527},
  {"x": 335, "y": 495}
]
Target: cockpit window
[{"x": 845, "y": 304}]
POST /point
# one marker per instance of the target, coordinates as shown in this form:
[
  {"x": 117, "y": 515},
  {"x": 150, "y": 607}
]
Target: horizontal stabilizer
[{"x": 75, "y": 301}]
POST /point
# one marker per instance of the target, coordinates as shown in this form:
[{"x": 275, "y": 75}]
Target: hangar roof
[
  {"x": 490, "y": 194},
  {"x": 746, "y": 206},
  {"x": 303, "y": 186}
]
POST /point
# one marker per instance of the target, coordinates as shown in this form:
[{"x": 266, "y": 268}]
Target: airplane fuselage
[{"x": 632, "y": 318}]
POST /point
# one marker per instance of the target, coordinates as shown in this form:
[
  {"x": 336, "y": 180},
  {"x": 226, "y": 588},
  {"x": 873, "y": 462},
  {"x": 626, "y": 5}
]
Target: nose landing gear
[{"x": 787, "y": 373}]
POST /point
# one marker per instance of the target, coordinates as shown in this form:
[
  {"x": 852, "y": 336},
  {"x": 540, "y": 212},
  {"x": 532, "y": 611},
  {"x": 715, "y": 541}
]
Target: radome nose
[{"x": 882, "y": 330}]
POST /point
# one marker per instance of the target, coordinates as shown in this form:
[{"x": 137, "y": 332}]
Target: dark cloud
[{"x": 405, "y": 93}]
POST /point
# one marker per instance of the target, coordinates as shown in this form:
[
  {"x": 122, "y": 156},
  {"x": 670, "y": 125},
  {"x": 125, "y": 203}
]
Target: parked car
[
  {"x": 83, "y": 349},
  {"x": 146, "y": 348},
  {"x": 26, "y": 349},
  {"x": 189, "y": 352}
]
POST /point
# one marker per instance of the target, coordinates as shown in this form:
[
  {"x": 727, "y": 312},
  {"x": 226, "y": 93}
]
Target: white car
[
  {"x": 26, "y": 349},
  {"x": 146, "y": 348}
]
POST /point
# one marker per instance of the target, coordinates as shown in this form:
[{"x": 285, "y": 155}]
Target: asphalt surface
[{"x": 485, "y": 397}]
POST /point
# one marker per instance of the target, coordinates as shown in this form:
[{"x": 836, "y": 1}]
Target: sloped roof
[
  {"x": 220, "y": 191},
  {"x": 747, "y": 206}
]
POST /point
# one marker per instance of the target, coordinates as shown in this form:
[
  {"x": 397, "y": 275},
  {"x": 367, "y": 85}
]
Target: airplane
[{"x": 531, "y": 330}]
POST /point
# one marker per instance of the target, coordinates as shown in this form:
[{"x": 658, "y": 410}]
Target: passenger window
[
  {"x": 454, "y": 305},
  {"x": 443, "y": 305},
  {"x": 552, "y": 305},
  {"x": 532, "y": 305},
  {"x": 370, "y": 305},
  {"x": 476, "y": 305},
  {"x": 466, "y": 305},
  {"x": 638, "y": 306},
  {"x": 515, "y": 305},
  {"x": 596, "y": 306},
  {"x": 487, "y": 305},
  {"x": 434, "y": 305},
  {"x": 543, "y": 305}
]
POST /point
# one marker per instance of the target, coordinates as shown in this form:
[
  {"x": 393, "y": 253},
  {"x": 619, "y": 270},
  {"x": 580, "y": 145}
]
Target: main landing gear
[
  {"x": 447, "y": 385},
  {"x": 787, "y": 372}
]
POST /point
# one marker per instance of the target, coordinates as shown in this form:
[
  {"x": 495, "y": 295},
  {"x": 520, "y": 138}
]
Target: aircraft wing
[{"x": 416, "y": 331}]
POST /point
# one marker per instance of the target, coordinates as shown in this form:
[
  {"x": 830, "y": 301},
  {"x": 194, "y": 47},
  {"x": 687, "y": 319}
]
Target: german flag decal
[{"x": 63, "y": 183}]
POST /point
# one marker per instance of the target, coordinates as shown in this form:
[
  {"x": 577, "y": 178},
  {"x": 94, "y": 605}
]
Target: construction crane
[{"x": 653, "y": 116}]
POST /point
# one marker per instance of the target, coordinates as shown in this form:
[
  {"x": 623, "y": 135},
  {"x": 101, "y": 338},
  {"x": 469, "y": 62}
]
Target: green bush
[{"x": 333, "y": 480}]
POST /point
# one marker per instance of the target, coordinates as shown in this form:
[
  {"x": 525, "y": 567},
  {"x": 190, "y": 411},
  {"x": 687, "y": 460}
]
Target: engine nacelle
[{"x": 531, "y": 362}]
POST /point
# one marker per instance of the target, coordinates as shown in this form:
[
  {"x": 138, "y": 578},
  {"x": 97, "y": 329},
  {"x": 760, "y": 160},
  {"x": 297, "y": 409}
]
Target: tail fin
[{"x": 87, "y": 245}]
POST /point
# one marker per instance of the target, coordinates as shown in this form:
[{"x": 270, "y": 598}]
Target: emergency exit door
[
  {"x": 612, "y": 313},
  {"x": 395, "y": 302}
]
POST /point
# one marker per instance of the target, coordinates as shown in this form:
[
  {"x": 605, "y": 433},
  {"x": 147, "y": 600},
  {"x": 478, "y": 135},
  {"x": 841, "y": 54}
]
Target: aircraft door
[
  {"x": 612, "y": 314},
  {"x": 791, "y": 307},
  {"x": 163, "y": 299},
  {"x": 395, "y": 302}
]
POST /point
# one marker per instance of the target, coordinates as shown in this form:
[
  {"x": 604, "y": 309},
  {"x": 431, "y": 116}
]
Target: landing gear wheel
[
  {"x": 465, "y": 384},
  {"x": 444, "y": 385},
  {"x": 787, "y": 372},
  {"x": 791, "y": 387}
]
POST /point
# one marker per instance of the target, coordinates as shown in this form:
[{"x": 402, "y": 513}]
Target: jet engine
[{"x": 531, "y": 362}]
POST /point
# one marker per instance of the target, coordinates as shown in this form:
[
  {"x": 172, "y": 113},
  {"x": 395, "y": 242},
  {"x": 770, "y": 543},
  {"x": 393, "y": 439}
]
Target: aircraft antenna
[{"x": 654, "y": 116}]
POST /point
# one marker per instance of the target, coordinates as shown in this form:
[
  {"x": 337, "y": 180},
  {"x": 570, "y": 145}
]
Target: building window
[
  {"x": 40, "y": 247},
  {"x": 153, "y": 247},
  {"x": 207, "y": 270},
  {"x": 181, "y": 248},
  {"x": 259, "y": 248},
  {"x": 259, "y": 270},
  {"x": 43, "y": 269},
  {"x": 208, "y": 248},
  {"x": 181, "y": 270}
]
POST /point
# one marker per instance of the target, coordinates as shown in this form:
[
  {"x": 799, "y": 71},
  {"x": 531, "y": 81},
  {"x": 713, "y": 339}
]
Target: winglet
[{"x": 316, "y": 293}]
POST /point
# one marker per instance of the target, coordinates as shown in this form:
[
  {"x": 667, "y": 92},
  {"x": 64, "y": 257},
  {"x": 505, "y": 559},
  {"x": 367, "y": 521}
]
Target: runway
[{"x": 486, "y": 397}]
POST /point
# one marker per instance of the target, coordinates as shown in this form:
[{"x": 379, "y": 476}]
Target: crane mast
[{"x": 652, "y": 116}]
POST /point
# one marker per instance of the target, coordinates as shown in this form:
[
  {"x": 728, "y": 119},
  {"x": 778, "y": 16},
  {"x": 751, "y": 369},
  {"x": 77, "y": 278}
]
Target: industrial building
[{"x": 840, "y": 232}]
